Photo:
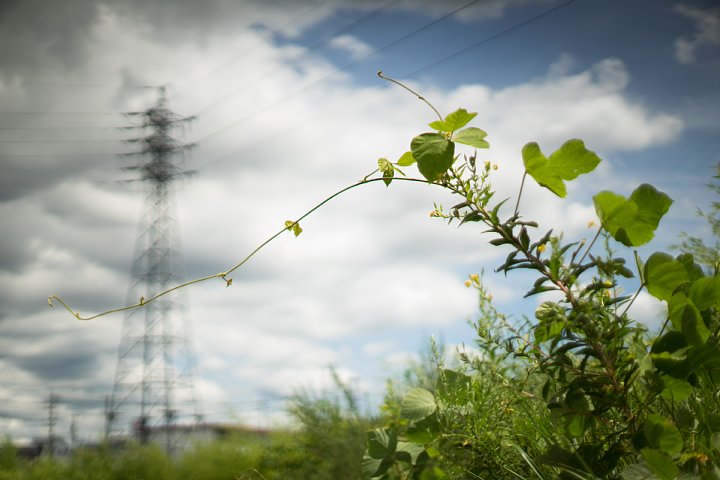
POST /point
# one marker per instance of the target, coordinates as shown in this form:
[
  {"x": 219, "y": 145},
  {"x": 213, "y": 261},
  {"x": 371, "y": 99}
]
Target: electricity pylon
[{"x": 154, "y": 388}]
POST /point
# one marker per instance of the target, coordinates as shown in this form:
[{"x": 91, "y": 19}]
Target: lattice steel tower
[{"x": 154, "y": 392}]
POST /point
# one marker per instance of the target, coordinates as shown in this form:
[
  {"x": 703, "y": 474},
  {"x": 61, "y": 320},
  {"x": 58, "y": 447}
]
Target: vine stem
[
  {"x": 522, "y": 184},
  {"x": 591, "y": 245},
  {"x": 420, "y": 97},
  {"x": 224, "y": 275}
]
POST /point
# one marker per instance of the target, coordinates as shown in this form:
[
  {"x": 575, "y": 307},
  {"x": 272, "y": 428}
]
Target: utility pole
[{"x": 154, "y": 379}]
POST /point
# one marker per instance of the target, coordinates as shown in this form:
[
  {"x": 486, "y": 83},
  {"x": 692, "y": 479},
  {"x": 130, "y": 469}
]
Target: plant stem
[
  {"x": 522, "y": 184},
  {"x": 223, "y": 275},
  {"x": 396, "y": 82}
]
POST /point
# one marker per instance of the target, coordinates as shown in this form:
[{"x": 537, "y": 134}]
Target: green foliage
[
  {"x": 599, "y": 395},
  {"x": 632, "y": 221},
  {"x": 566, "y": 163},
  {"x": 580, "y": 391}
]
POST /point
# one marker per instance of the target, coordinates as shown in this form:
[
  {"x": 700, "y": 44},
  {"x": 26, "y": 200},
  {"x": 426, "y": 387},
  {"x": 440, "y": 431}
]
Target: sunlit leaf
[
  {"x": 410, "y": 450},
  {"x": 406, "y": 159},
  {"x": 705, "y": 292},
  {"x": 693, "y": 326},
  {"x": 663, "y": 274},
  {"x": 632, "y": 221},
  {"x": 454, "y": 121},
  {"x": 417, "y": 404},
  {"x": 472, "y": 136},
  {"x": 566, "y": 163},
  {"x": 434, "y": 154},
  {"x": 387, "y": 170},
  {"x": 293, "y": 226}
]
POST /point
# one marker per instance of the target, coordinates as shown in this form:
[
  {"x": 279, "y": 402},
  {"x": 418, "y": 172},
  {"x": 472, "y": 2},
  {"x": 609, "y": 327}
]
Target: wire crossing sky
[{"x": 289, "y": 110}]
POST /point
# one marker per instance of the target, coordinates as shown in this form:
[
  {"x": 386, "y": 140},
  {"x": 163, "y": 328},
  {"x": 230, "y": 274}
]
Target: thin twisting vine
[{"x": 224, "y": 275}]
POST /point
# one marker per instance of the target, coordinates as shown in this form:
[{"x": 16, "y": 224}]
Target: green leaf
[
  {"x": 676, "y": 307},
  {"x": 381, "y": 442},
  {"x": 424, "y": 431},
  {"x": 413, "y": 451},
  {"x": 374, "y": 467},
  {"x": 417, "y": 404},
  {"x": 387, "y": 170},
  {"x": 663, "y": 274},
  {"x": 294, "y": 227},
  {"x": 693, "y": 326},
  {"x": 662, "y": 434},
  {"x": 705, "y": 292},
  {"x": 566, "y": 163},
  {"x": 454, "y": 121},
  {"x": 675, "y": 389},
  {"x": 694, "y": 270},
  {"x": 660, "y": 463},
  {"x": 652, "y": 204},
  {"x": 632, "y": 221},
  {"x": 434, "y": 154},
  {"x": 472, "y": 136},
  {"x": 406, "y": 159}
]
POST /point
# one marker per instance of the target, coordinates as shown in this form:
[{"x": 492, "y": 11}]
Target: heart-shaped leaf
[
  {"x": 454, "y": 121},
  {"x": 632, "y": 221},
  {"x": 472, "y": 136},
  {"x": 663, "y": 274},
  {"x": 406, "y": 159},
  {"x": 434, "y": 154},
  {"x": 566, "y": 163},
  {"x": 417, "y": 404}
]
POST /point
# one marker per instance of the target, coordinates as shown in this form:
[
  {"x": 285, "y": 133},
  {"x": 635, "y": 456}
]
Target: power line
[
  {"x": 430, "y": 65},
  {"x": 82, "y": 140},
  {"x": 72, "y": 84},
  {"x": 80, "y": 127},
  {"x": 236, "y": 57},
  {"x": 310, "y": 48},
  {"x": 490, "y": 38},
  {"x": 337, "y": 70},
  {"x": 60, "y": 113}
]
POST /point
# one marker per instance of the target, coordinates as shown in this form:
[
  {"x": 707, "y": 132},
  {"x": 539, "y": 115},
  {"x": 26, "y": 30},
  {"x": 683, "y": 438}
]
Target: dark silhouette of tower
[{"x": 154, "y": 393}]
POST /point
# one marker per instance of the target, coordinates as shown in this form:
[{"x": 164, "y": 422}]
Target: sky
[{"x": 289, "y": 109}]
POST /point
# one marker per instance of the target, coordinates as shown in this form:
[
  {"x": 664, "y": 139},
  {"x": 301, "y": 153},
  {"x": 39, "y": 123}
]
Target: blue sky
[{"x": 290, "y": 109}]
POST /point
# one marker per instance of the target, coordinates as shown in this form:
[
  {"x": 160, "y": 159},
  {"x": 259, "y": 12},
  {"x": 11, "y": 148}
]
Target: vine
[{"x": 604, "y": 397}]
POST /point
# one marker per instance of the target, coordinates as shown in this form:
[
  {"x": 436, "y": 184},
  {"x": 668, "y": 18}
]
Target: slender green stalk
[
  {"x": 224, "y": 275},
  {"x": 420, "y": 97}
]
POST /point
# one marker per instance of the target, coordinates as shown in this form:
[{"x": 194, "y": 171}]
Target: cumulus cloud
[
  {"x": 355, "y": 48},
  {"x": 370, "y": 274},
  {"x": 707, "y": 32}
]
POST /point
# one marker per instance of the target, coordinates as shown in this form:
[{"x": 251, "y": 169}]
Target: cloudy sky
[{"x": 289, "y": 110}]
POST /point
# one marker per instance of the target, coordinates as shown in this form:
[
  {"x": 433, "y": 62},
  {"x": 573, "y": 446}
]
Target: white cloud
[
  {"x": 371, "y": 273},
  {"x": 707, "y": 32},
  {"x": 649, "y": 311},
  {"x": 355, "y": 47}
]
